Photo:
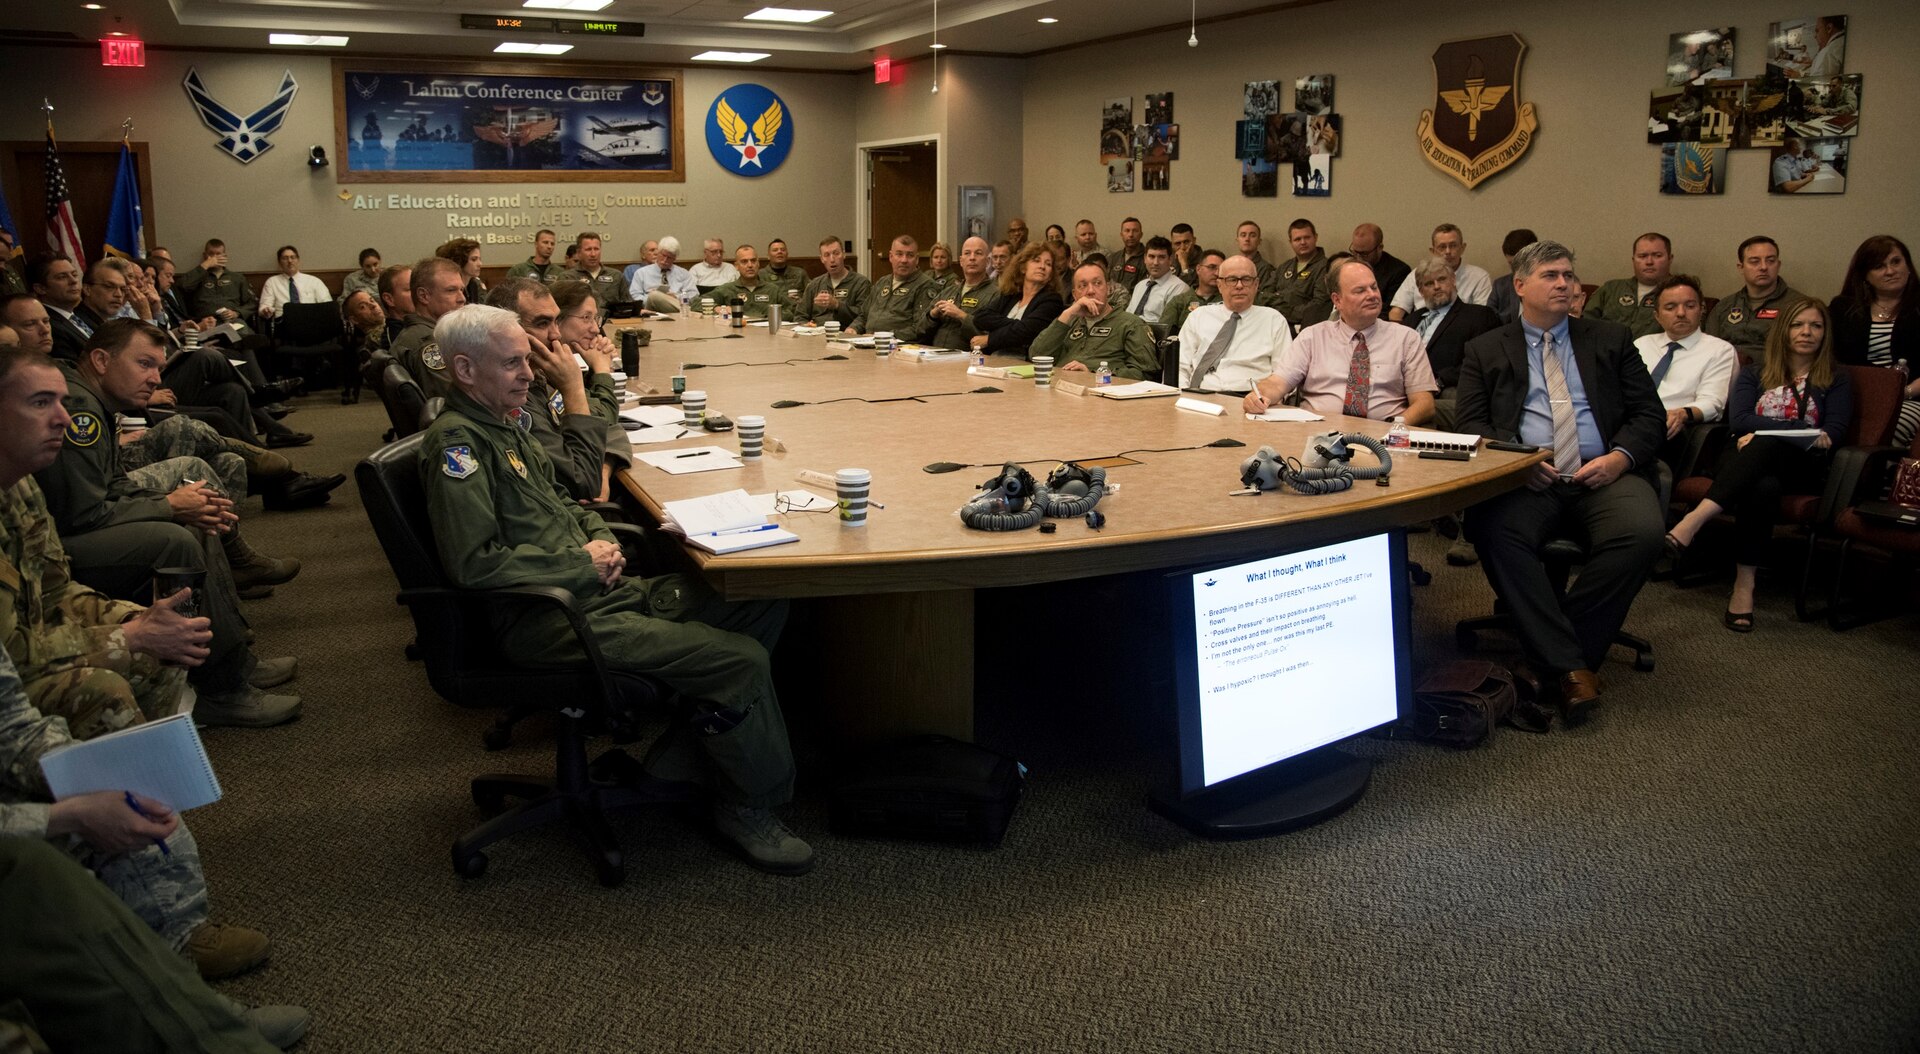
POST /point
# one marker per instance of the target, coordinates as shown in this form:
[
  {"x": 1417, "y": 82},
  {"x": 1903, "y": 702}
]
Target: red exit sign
[{"x": 122, "y": 51}]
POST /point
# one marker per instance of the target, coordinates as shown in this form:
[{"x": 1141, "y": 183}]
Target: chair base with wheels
[{"x": 1560, "y": 556}]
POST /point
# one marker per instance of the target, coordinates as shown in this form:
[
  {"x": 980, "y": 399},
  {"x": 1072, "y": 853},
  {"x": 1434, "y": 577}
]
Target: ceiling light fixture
[
  {"x": 94, "y": 7},
  {"x": 306, "y": 40},
  {"x": 1193, "y": 23},
  {"x": 568, "y": 5},
  {"x": 731, "y": 56},
  {"x": 1047, "y": 21},
  {"x": 936, "y": 47},
  {"x": 797, "y": 16},
  {"x": 514, "y": 48}
]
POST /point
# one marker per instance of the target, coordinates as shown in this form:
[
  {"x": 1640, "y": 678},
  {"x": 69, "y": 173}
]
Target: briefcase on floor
[{"x": 929, "y": 787}]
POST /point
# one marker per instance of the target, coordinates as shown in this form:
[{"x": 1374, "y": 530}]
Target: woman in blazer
[
  {"x": 1876, "y": 320},
  {"x": 1029, "y": 301}
]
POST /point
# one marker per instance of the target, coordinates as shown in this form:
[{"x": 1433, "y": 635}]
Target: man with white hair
[
  {"x": 713, "y": 270},
  {"x": 664, "y": 285},
  {"x": 498, "y": 520}
]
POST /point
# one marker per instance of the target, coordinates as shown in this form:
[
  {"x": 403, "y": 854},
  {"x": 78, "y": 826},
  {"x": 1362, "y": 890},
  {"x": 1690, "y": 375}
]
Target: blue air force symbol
[
  {"x": 749, "y": 130},
  {"x": 243, "y": 137}
]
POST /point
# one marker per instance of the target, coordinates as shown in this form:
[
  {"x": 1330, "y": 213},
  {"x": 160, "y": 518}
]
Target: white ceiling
[{"x": 857, "y": 32}]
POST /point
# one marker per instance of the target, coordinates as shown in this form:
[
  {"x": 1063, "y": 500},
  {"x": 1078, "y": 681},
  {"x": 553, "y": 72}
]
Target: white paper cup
[
  {"x": 752, "y": 429},
  {"x": 706, "y": 305},
  {"x": 693, "y": 408},
  {"x": 852, "y": 485},
  {"x": 133, "y": 424},
  {"x": 883, "y": 343},
  {"x": 833, "y": 330},
  {"x": 1043, "y": 370}
]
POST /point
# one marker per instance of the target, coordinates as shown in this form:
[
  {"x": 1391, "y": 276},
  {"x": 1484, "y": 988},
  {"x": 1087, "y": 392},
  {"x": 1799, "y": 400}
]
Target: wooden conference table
[{"x": 897, "y": 596}]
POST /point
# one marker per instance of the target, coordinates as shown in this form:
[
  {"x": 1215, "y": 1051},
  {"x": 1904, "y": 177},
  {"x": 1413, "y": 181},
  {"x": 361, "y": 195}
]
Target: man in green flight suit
[
  {"x": 898, "y": 304},
  {"x": 499, "y": 520},
  {"x": 1206, "y": 290},
  {"x": 609, "y": 284},
  {"x": 211, "y": 289},
  {"x": 756, "y": 289},
  {"x": 791, "y": 278},
  {"x": 576, "y": 419},
  {"x": 1092, "y": 331},
  {"x": 954, "y": 312},
  {"x": 540, "y": 266},
  {"x": 1744, "y": 318},
  {"x": 438, "y": 287},
  {"x": 1630, "y": 301},
  {"x": 1301, "y": 292},
  {"x": 840, "y": 295}
]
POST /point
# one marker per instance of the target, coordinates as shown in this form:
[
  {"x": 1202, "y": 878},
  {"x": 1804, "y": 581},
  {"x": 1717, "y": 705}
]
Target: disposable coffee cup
[
  {"x": 883, "y": 343},
  {"x": 852, "y": 485},
  {"x": 170, "y": 580},
  {"x": 693, "y": 408},
  {"x": 1043, "y": 371},
  {"x": 133, "y": 424},
  {"x": 753, "y": 430},
  {"x": 833, "y": 330},
  {"x": 706, "y": 305}
]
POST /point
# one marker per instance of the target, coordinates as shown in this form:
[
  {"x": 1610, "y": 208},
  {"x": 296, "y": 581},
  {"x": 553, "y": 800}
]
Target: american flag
[{"x": 62, "y": 233}]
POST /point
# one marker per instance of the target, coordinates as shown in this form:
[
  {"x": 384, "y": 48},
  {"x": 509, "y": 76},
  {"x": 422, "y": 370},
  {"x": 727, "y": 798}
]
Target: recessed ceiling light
[
  {"x": 568, "y": 5},
  {"x": 94, "y": 7},
  {"x": 511, "y": 48},
  {"x": 306, "y": 40},
  {"x": 936, "y": 47},
  {"x": 732, "y": 56},
  {"x": 786, "y": 14},
  {"x": 1048, "y": 21}
]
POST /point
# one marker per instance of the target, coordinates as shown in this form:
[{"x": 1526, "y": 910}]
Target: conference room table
[{"x": 891, "y": 608}]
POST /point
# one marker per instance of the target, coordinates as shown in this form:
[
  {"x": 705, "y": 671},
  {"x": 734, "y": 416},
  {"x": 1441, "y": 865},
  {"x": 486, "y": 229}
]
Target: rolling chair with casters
[
  {"x": 307, "y": 337},
  {"x": 1561, "y": 556},
  {"x": 466, "y": 665},
  {"x": 406, "y": 404}
]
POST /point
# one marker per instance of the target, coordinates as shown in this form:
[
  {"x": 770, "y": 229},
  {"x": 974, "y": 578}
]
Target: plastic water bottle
[
  {"x": 1399, "y": 435},
  {"x": 1105, "y": 376}
]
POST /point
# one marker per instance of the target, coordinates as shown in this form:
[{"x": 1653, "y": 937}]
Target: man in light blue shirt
[{"x": 664, "y": 285}]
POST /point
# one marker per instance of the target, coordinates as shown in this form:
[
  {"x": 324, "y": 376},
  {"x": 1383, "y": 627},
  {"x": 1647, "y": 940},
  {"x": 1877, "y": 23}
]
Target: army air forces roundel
[{"x": 749, "y": 130}]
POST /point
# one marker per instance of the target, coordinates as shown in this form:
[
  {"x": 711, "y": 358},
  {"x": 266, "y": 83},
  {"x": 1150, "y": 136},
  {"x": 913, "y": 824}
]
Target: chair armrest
[
  {"x": 431, "y": 410},
  {"x": 482, "y": 601},
  {"x": 1703, "y": 445},
  {"x": 643, "y": 547},
  {"x": 606, "y": 510},
  {"x": 1852, "y": 469}
]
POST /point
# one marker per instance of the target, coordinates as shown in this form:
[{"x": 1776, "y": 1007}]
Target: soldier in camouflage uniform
[
  {"x": 899, "y": 303},
  {"x": 439, "y": 286}
]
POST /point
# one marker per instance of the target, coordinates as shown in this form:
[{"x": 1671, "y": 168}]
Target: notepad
[
  {"x": 1023, "y": 370},
  {"x": 1800, "y": 437},
  {"x": 1286, "y": 413},
  {"x": 692, "y": 459},
  {"x": 727, "y": 522},
  {"x": 1133, "y": 390},
  {"x": 163, "y": 760},
  {"x": 928, "y": 353},
  {"x": 656, "y": 416}
]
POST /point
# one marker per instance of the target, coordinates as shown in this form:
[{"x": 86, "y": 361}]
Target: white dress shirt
[
  {"x": 1470, "y": 283},
  {"x": 274, "y": 292},
  {"x": 713, "y": 277},
  {"x": 1701, "y": 374},
  {"x": 1259, "y": 340},
  {"x": 1147, "y": 302},
  {"x": 678, "y": 281}
]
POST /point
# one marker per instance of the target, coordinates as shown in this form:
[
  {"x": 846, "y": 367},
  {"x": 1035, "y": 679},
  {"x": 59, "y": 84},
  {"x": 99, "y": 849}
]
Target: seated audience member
[
  {"x": 211, "y": 289},
  {"x": 839, "y": 295},
  {"x": 1300, "y": 290},
  {"x": 540, "y": 266},
  {"x": 1876, "y": 320},
  {"x": 1063, "y": 261},
  {"x": 363, "y": 326},
  {"x": 1016, "y": 234},
  {"x": 396, "y": 298},
  {"x": 1629, "y": 301},
  {"x": 1029, "y": 301},
  {"x": 1603, "y": 424},
  {"x": 1185, "y": 258},
  {"x": 997, "y": 259},
  {"x": 791, "y": 278},
  {"x": 940, "y": 266},
  {"x": 1205, "y": 290},
  {"x": 1126, "y": 264},
  {"x": 972, "y": 290},
  {"x": 713, "y": 270},
  {"x": 1369, "y": 246},
  {"x": 570, "y": 415},
  {"x": 756, "y": 289},
  {"x": 141, "y": 300},
  {"x": 1157, "y": 286},
  {"x": 1471, "y": 282},
  {"x": 609, "y": 287},
  {"x": 1086, "y": 242},
  {"x": 465, "y": 254},
  {"x": 1503, "y": 302},
  {"x": 1796, "y": 385},
  {"x": 290, "y": 286},
  {"x": 1445, "y": 325},
  {"x": 648, "y": 251},
  {"x": 11, "y": 282},
  {"x": 1055, "y": 233},
  {"x": 1230, "y": 344},
  {"x": 1247, "y": 238},
  {"x": 366, "y": 279},
  {"x": 1690, "y": 370},
  {"x": 55, "y": 281},
  {"x": 1352, "y": 364},
  {"x": 438, "y": 287},
  {"x": 498, "y": 520},
  {"x": 1091, "y": 332},
  {"x": 174, "y": 316},
  {"x": 899, "y": 303},
  {"x": 580, "y": 334},
  {"x": 1745, "y": 318},
  {"x": 664, "y": 285}
]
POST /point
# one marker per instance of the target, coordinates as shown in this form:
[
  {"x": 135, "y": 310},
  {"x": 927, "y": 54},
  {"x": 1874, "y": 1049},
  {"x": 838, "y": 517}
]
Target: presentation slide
[{"x": 1295, "y": 652}]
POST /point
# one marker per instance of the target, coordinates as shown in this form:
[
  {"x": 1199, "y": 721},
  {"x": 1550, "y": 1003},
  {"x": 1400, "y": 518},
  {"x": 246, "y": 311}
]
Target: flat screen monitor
[{"x": 1278, "y": 658}]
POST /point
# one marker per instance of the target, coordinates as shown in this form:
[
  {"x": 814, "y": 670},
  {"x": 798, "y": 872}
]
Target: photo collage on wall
[
  {"x": 1804, "y": 108},
  {"x": 1296, "y": 145},
  {"x": 1139, "y": 155}
]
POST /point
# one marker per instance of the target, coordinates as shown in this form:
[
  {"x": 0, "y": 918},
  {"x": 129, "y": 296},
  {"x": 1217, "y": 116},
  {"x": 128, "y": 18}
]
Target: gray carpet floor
[{"x": 1724, "y": 859}]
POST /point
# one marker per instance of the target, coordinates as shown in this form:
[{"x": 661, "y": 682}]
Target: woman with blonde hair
[{"x": 1029, "y": 301}]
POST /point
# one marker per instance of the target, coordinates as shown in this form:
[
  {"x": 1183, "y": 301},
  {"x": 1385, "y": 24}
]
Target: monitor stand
[{"x": 1282, "y": 797}]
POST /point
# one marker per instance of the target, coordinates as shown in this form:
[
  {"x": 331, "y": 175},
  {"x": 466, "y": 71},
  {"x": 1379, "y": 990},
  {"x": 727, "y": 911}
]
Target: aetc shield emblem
[
  {"x": 749, "y": 130},
  {"x": 1478, "y": 125}
]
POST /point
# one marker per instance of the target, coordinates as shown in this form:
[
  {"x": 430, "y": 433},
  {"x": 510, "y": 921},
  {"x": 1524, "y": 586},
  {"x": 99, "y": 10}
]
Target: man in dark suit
[
  {"x": 1445, "y": 325},
  {"x": 1578, "y": 389},
  {"x": 54, "y": 280}
]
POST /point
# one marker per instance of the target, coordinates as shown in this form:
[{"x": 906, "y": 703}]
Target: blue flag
[
  {"x": 6, "y": 224},
  {"x": 126, "y": 231}
]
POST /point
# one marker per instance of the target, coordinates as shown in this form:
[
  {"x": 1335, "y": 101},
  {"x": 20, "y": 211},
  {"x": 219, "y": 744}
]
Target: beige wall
[
  {"x": 1590, "y": 179},
  {"x": 975, "y": 117},
  {"x": 200, "y": 192}
]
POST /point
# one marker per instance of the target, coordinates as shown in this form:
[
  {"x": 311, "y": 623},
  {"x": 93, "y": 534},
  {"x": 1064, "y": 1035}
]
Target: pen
[
  {"x": 161, "y": 842},
  {"x": 697, "y": 453},
  {"x": 747, "y": 530}
]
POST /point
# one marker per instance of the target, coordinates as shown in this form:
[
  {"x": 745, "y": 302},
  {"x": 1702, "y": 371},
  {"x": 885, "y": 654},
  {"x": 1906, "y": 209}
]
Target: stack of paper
[
  {"x": 728, "y": 522},
  {"x": 928, "y": 353},
  {"x": 1132, "y": 390},
  {"x": 695, "y": 459},
  {"x": 1285, "y": 413}
]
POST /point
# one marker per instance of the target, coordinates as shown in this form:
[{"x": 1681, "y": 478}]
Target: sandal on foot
[{"x": 1739, "y": 621}]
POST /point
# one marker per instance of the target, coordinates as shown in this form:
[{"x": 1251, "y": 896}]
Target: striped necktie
[{"x": 1566, "y": 431}]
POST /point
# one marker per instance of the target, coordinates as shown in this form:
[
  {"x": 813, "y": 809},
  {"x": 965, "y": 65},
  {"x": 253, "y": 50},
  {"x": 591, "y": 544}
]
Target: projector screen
[{"x": 1288, "y": 654}]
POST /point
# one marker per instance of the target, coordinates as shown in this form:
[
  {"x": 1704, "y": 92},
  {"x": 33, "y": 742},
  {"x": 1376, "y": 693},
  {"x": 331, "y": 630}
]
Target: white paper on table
[
  {"x": 726, "y": 511},
  {"x": 808, "y": 331},
  {"x": 663, "y": 434},
  {"x": 691, "y": 460},
  {"x": 654, "y": 414},
  {"x": 1286, "y": 413}
]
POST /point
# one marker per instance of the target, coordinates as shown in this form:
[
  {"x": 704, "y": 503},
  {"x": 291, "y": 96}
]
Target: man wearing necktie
[
  {"x": 1230, "y": 345},
  {"x": 1149, "y": 299},
  {"x": 1691, "y": 370},
  {"x": 1445, "y": 325},
  {"x": 1576, "y": 388},
  {"x": 1354, "y": 364}
]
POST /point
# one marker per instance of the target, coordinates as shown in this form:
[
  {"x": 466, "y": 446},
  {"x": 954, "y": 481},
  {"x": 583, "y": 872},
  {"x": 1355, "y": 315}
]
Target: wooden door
[
  {"x": 90, "y": 168},
  {"x": 903, "y": 184}
]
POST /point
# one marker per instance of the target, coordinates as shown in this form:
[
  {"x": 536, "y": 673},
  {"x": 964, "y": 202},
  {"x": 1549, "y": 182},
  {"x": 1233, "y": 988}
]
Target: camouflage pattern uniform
[
  {"x": 168, "y": 891},
  {"x": 180, "y": 436},
  {"x": 65, "y": 638}
]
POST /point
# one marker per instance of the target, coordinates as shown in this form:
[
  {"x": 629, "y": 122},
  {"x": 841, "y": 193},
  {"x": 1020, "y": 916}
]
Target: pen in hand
[{"x": 135, "y": 806}]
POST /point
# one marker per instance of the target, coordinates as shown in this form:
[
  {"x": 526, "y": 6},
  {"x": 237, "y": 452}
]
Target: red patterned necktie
[{"x": 1359, "y": 378}]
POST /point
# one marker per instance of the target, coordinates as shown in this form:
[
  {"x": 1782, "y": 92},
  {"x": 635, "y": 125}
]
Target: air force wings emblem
[
  {"x": 243, "y": 137},
  {"x": 1478, "y": 125},
  {"x": 749, "y": 149}
]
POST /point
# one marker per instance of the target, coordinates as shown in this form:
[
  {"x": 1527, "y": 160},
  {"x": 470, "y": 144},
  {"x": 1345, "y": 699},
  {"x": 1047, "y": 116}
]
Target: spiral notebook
[
  {"x": 1426, "y": 439},
  {"x": 163, "y": 760}
]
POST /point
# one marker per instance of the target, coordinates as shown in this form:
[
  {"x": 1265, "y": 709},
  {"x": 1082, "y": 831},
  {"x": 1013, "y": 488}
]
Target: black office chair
[
  {"x": 308, "y": 337},
  {"x": 406, "y": 404},
  {"x": 467, "y": 666},
  {"x": 1166, "y": 344},
  {"x": 1561, "y": 556}
]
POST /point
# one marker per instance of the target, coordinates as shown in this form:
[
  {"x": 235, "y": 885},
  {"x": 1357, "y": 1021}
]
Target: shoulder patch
[
  {"x": 458, "y": 462},
  {"x": 84, "y": 429},
  {"x": 430, "y": 355}
]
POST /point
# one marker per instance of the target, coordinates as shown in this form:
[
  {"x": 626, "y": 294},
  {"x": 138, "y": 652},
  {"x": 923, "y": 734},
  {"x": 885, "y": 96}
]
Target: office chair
[
  {"x": 1561, "y": 556},
  {"x": 406, "y": 404},
  {"x": 1897, "y": 541},
  {"x": 467, "y": 666},
  {"x": 308, "y": 337}
]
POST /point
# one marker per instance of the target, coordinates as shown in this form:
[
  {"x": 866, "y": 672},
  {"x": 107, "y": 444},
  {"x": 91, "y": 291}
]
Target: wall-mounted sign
[
  {"x": 245, "y": 138},
  {"x": 122, "y": 51},
  {"x": 1478, "y": 125},
  {"x": 522, "y": 24},
  {"x": 749, "y": 130}
]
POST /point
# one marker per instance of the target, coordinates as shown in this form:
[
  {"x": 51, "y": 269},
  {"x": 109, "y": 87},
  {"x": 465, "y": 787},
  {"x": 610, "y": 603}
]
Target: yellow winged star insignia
[
  {"x": 1476, "y": 99},
  {"x": 734, "y": 127}
]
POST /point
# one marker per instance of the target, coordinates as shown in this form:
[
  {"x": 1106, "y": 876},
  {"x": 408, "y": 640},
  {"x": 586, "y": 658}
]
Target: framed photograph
[
  {"x": 1314, "y": 94},
  {"x": 1323, "y": 134},
  {"x": 1824, "y": 109},
  {"x": 1676, "y": 115},
  {"x": 976, "y": 213},
  {"x": 1809, "y": 166},
  {"x": 1319, "y": 179},
  {"x": 1142, "y": 140},
  {"x": 1160, "y": 108},
  {"x": 1120, "y": 176},
  {"x": 1700, "y": 56},
  {"x": 1258, "y": 179},
  {"x": 1116, "y": 129},
  {"x": 1153, "y": 175},
  {"x": 1690, "y": 168},
  {"x": 1807, "y": 48},
  {"x": 1251, "y": 135},
  {"x": 1287, "y": 137},
  {"x": 1163, "y": 142},
  {"x": 1262, "y": 98}
]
